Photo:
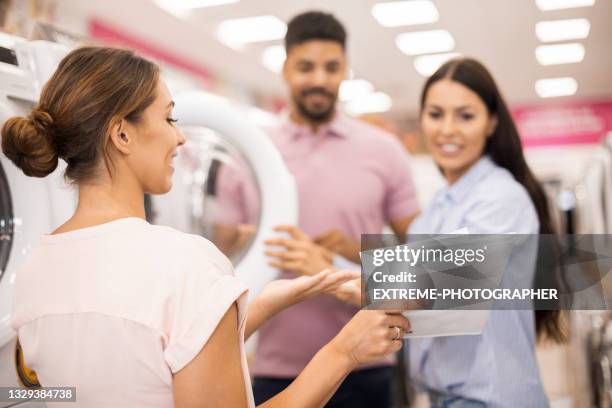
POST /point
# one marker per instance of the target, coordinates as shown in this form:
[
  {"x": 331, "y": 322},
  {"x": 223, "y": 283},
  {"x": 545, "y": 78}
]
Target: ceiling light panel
[
  {"x": 548, "y": 5},
  {"x": 239, "y": 32},
  {"x": 405, "y": 13},
  {"x": 559, "y": 53},
  {"x": 563, "y": 30},
  {"x": 372, "y": 103},
  {"x": 426, "y": 65},
  {"x": 355, "y": 88},
  {"x": 425, "y": 42},
  {"x": 554, "y": 87},
  {"x": 273, "y": 58},
  {"x": 182, "y": 8}
]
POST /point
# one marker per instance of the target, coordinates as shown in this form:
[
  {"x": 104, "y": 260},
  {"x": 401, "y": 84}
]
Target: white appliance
[{"x": 29, "y": 207}]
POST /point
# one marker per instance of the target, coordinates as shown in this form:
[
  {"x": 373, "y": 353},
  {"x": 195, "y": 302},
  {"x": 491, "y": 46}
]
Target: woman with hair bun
[{"x": 134, "y": 314}]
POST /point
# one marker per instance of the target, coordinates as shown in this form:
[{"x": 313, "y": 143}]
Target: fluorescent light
[
  {"x": 562, "y": 30},
  {"x": 238, "y": 32},
  {"x": 426, "y": 65},
  {"x": 425, "y": 42},
  {"x": 181, "y": 8},
  {"x": 549, "y": 88},
  {"x": 547, "y": 5},
  {"x": 559, "y": 53},
  {"x": 355, "y": 88},
  {"x": 273, "y": 58},
  {"x": 403, "y": 13},
  {"x": 374, "y": 102}
]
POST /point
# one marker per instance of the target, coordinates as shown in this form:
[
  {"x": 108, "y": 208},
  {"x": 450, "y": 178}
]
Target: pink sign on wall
[
  {"x": 112, "y": 36},
  {"x": 563, "y": 124}
]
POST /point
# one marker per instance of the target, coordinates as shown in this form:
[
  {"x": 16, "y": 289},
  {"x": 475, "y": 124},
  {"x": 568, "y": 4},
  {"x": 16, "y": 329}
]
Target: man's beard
[{"x": 315, "y": 116}]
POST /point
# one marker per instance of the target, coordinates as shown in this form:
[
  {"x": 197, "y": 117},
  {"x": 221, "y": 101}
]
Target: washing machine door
[
  {"x": 230, "y": 185},
  {"x": 6, "y": 222},
  {"x": 25, "y": 215}
]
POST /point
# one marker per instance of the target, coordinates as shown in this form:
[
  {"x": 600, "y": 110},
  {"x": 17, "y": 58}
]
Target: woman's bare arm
[
  {"x": 317, "y": 383},
  {"x": 214, "y": 378},
  {"x": 256, "y": 316}
]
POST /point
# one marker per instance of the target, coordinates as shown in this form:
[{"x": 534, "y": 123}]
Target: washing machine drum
[{"x": 6, "y": 222}]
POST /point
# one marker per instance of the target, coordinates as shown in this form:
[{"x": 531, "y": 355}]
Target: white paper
[{"x": 434, "y": 323}]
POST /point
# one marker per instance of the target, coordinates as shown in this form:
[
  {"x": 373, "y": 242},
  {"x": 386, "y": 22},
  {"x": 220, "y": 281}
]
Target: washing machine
[
  {"x": 223, "y": 143},
  {"x": 29, "y": 207}
]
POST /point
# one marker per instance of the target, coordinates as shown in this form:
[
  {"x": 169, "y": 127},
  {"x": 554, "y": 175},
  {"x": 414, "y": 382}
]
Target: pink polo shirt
[{"x": 350, "y": 176}]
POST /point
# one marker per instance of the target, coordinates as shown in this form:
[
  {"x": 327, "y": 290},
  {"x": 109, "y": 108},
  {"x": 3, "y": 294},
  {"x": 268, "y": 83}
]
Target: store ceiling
[{"x": 500, "y": 33}]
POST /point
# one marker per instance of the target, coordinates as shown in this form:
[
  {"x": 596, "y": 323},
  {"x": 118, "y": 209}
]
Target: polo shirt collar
[{"x": 338, "y": 126}]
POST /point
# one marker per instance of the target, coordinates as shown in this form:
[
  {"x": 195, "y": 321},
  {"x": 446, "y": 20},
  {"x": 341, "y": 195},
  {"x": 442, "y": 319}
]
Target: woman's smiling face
[
  {"x": 156, "y": 139},
  {"x": 456, "y": 124}
]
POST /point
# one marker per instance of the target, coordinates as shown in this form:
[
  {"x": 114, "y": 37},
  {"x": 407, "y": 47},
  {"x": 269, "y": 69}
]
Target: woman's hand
[
  {"x": 282, "y": 293},
  {"x": 350, "y": 291},
  {"x": 369, "y": 336}
]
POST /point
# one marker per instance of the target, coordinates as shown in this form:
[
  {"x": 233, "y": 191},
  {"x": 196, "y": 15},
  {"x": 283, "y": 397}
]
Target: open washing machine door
[
  {"x": 29, "y": 207},
  {"x": 227, "y": 157}
]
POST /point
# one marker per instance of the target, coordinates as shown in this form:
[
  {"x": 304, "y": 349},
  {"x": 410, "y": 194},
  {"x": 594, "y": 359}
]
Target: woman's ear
[
  {"x": 120, "y": 138},
  {"x": 492, "y": 125}
]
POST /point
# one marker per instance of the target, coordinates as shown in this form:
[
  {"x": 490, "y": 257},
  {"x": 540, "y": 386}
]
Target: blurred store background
[{"x": 551, "y": 58}]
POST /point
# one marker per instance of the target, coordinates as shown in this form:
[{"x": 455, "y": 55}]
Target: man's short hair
[{"x": 314, "y": 25}]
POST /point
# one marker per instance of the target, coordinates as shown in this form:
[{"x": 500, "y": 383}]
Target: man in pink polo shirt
[{"x": 352, "y": 179}]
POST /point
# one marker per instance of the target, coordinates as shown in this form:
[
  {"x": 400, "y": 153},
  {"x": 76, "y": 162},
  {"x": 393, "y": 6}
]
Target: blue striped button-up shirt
[{"x": 498, "y": 367}]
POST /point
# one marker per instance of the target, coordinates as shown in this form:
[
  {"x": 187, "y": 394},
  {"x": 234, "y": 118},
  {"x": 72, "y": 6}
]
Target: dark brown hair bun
[{"x": 27, "y": 142}]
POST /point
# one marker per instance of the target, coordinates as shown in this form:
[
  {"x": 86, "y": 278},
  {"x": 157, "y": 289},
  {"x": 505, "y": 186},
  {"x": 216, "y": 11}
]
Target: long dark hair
[{"x": 505, "y": 149}]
